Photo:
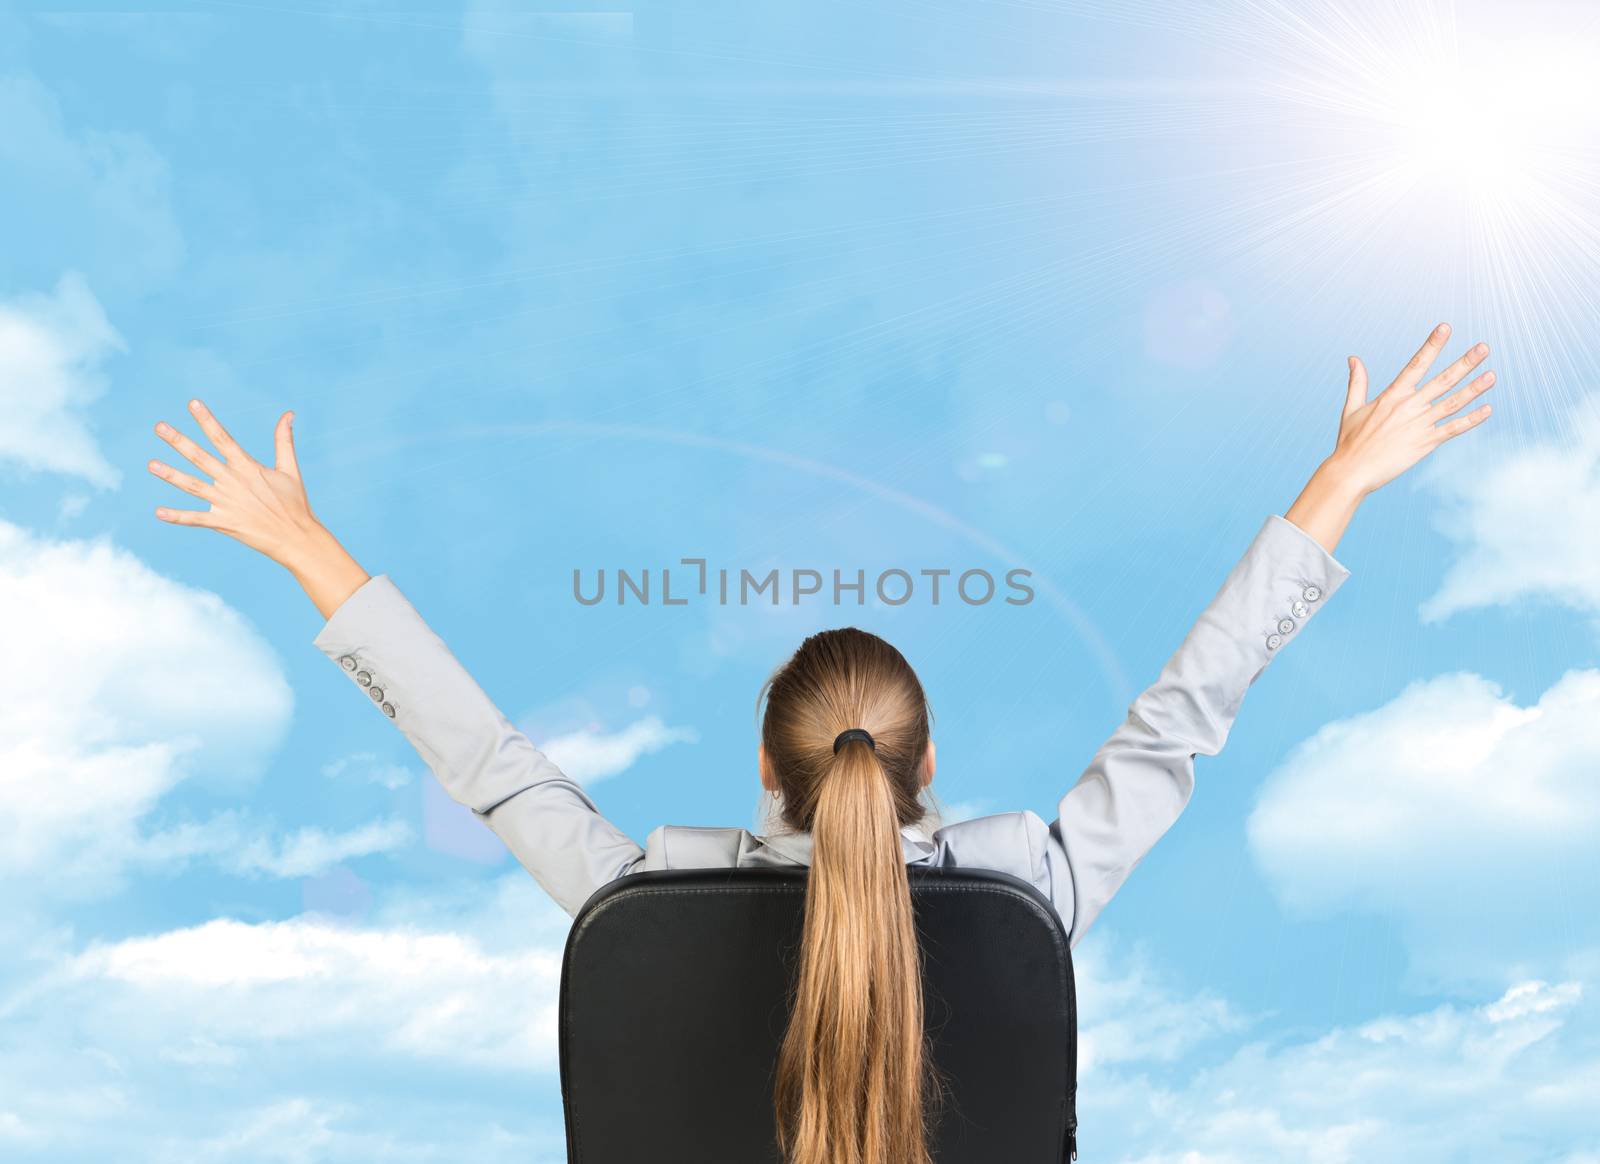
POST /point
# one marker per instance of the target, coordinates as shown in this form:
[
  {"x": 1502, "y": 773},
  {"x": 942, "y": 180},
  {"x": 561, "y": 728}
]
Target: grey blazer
[{"x": 1133, "y": 789}]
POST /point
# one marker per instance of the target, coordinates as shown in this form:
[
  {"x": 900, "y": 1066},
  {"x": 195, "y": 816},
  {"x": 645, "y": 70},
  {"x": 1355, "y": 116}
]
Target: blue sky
[{"x": 1066, "y": 287}]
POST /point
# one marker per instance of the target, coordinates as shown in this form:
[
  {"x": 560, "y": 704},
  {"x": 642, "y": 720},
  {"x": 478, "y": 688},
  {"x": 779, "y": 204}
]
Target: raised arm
[
  {"x": 404, "y": 670},
  {"x": 1141, "y": 778},
  {"x": 547, "y": 821}
]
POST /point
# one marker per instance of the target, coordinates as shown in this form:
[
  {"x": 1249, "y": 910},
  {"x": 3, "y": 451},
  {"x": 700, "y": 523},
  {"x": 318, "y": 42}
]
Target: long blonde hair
[{"x": 853, "y": 1070}]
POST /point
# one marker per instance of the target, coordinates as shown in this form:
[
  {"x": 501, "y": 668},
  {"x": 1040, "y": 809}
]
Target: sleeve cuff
[
  {"x": 359, "y": 623},
  {"x": 1336, "y": 570},
  {"x": 1300, "y": 576},
  {"x": 344, "y": 625}
]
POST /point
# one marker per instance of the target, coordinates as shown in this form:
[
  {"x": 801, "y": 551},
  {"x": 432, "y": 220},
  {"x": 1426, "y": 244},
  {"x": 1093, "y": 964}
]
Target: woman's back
[{"x": 1134, "y": 787}]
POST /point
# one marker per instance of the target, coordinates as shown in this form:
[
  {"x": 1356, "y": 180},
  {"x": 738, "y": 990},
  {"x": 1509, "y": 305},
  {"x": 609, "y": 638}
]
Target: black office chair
[{"x": 674, "y": 999}]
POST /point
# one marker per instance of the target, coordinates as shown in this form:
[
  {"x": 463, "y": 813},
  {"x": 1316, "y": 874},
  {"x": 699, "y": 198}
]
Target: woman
[{"x": 845, "y": 749}]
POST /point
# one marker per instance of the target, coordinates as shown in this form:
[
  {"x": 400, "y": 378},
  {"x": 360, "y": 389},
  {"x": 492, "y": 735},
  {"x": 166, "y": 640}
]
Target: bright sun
[{"x": 1523, "y": 120}]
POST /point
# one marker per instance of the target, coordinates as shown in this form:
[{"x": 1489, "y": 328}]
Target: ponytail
[{"x": 850, "y": 1075}]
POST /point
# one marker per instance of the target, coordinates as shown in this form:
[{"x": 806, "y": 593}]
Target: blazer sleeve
[
  {"x": 410, "y": 677},
  {"x": 1141, "y": 778}
]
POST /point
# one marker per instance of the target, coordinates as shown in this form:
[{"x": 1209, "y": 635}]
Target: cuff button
[
  {"x": 376, "y": 693},
  {"x": 1285, "y": 625},
  {"x": 348, "y": 662},
  {"x": 388, "y": 710},
  {"x": 1300, "y": 609},
  {"x": 1274, "y": 642},
  {"x": 1311, "y": 594},
  {"x": 364, "y": 678}
]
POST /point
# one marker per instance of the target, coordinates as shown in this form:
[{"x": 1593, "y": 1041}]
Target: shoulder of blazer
[
  {"x": 1012, "y": 842},
  {"x": 693, "y": 847}
]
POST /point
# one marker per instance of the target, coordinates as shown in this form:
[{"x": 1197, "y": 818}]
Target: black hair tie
[{"x": 849, "y": 734}]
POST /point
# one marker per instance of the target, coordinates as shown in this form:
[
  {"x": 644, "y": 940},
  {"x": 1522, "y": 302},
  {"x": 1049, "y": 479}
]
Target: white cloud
[
  {"x": 1168, "y": 1075},
  {"x": 294, "y": 1039},
  {"x": 15, "y": 1129},
  {"x": 1528, "y": 524},
  {"x": 1512, "y": 1080},
  {"x": 420, "y": 1035},
  {"x": 368, "y": 767},
  {"x": 1130, "y": 1013},
  {"x": 591, "y": 755},
  {"x": 118, "y": 685},
  {"x": 243, "y": 849},
  {"x": 309, "y": 851},
  {"x": 296, "y": 1130},
  {"x": 305, "y": 1130},
  {"x": 1465, "y": 816},
  {"x": 471, "y": 984},
  {"x": 51, "y": 347},
  {"x": 420, "y": 993},
  {"x": 98, "y": 199}
]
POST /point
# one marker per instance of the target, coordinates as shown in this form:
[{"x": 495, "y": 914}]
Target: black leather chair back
[{"x": 675, "y": 995}]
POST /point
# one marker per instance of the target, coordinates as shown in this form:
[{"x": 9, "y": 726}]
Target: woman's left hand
[
  {"x": 263, "y": 507},
  {"x": 1383, "y": 437}
]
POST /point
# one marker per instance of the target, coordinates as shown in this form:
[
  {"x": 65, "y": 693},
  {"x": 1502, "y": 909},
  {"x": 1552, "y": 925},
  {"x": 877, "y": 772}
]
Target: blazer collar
[{"x": 915, "y": 843}]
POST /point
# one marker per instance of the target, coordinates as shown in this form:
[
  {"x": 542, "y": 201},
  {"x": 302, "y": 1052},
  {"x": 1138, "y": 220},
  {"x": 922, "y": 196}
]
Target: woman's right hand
[
  {"x": 265, "y": 508},
  {"x": 1383, "y": 437}
]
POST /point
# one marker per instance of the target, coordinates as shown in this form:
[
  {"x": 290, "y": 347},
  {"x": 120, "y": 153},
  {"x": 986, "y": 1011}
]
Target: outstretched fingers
[
  {"x": 189, "y": 484},
  {"x": 231, "y": 450},
  {"x": 1455, "y": 373},
  {"x": 1411, "y": 375},
  {"x": 196, "y": 455},
  {"x": 1471, "y": 392},
  {"x": 1461, "y": 424},
  {"x": 200, "y": 517}
]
